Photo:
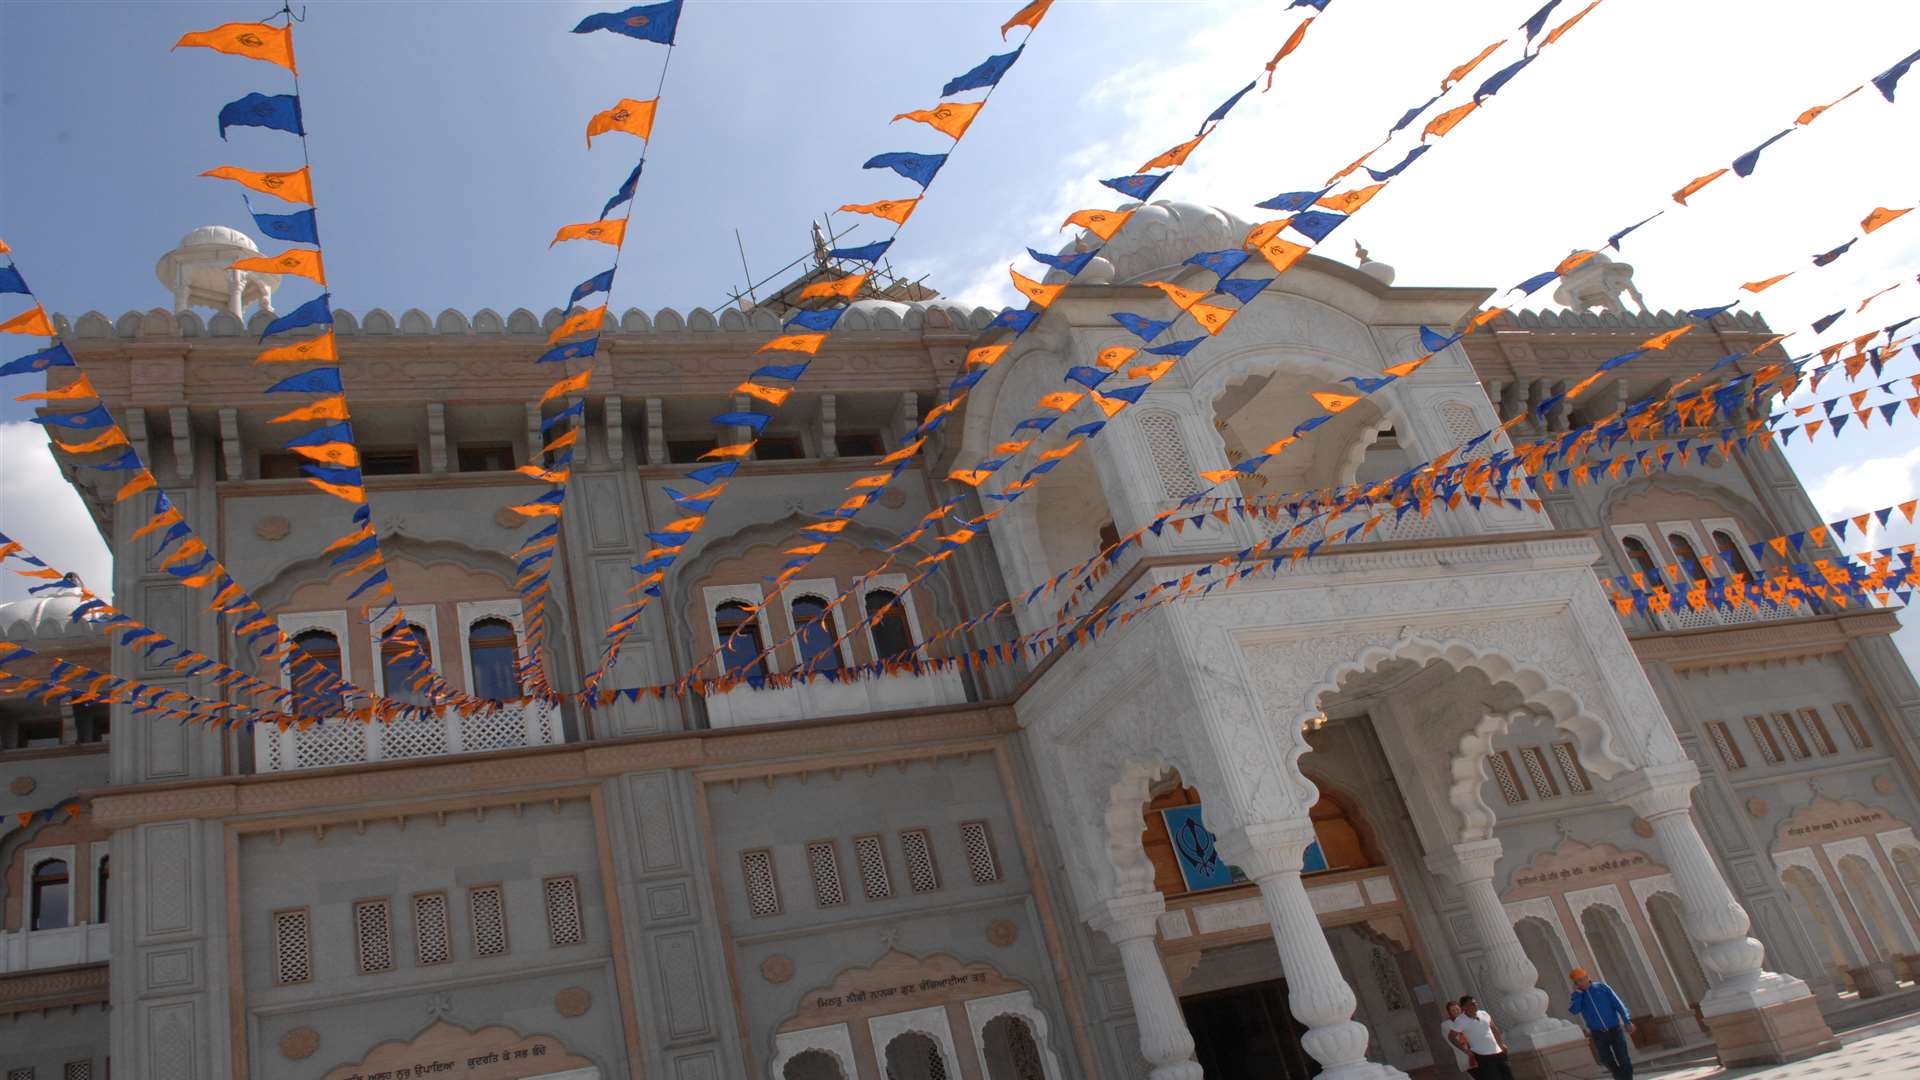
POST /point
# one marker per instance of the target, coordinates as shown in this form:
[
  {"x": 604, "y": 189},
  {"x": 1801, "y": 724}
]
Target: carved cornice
[
  {"x": 53, "y": 988},
  {"x": 1788, "y": 639},
  {"x": 533, "y": 769}
]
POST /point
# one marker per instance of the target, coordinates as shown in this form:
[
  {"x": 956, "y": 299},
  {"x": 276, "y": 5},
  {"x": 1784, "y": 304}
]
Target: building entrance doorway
[{"x": 1247, "y": 1031}]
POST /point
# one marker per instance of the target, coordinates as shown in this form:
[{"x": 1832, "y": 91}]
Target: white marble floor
[{"x": 1889, "y": 1051}]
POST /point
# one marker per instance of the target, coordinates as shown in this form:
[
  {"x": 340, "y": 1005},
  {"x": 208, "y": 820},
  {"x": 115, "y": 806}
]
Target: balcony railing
[
  {"x": 347, "y": 742},
  {"x": 819, "y": 699},
  {"x": 26, "y": 950},
  {"x": 1683, "y": 617}
]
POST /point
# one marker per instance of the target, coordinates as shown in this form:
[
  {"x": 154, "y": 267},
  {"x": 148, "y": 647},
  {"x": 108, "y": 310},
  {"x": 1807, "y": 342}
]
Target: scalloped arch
[
  {"x": 701, "y": 321},
  {"x": 488, "y": 321},
  {"x": 668, "y": 321},
  {"x": 415, "y": 321},
  {"x": 451, "y": 322},
  {"x": 376, "y": 321},
  {"x": 522, "y": 321}
]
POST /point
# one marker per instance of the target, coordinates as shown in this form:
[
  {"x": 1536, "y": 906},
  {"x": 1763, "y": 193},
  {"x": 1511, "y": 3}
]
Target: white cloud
[
  {"x": 39, "y": 509},
  {"x": 1870, "y": 484}
]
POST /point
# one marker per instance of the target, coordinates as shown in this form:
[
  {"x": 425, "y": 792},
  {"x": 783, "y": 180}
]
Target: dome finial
[{"x": 1378, "y": 271}]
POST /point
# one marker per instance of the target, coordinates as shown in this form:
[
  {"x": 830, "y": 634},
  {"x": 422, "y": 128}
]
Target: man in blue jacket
[{"x": 1607, "y": 1020}]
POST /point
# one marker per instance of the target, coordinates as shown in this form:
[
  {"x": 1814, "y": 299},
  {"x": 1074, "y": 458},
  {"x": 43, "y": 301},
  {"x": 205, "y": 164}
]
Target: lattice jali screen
[
  {"x": 373, "y": 935},
  {"x": 1570, "y": 768},
  {"x": 77, "y": 1070},
  {"x": 763, "y": 894},
  {"x": 330, "y": 742},
  {"x": 489, "y": 912},
  {"x": 824, "y": 865},
  {"x": 875, "y": 882},
  {"x": 981, "y": 866},
  {"x": 1460, "y": 424},
  {"x": 564, "y": 926},
  {"x": 432, "y": 936},
  {"x": 917, "y": 846},
  {"x": 1170, "y": 455},
  {"x": 407, "y": 737},
  {"x": 292, "y": 947},
  {"x": 1536, "y": 764},
  {"x": 276, "y": 746},
  {"x": 1730, "y": 755},
  {"x": 1503, "y": 775},
  {"x": 25, "y": 1073},
  {"x": 1856, "y": 732},
  {"x": 494, "y": 729}
]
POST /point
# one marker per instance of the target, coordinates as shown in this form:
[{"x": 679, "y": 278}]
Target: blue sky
[{"x": 447, "y": 143}]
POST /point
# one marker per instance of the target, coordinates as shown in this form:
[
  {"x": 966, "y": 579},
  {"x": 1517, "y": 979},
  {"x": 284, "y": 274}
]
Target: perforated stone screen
[
  {"x": 824, "y": 865},
  {"x": 563, "y": 911},
  {"x": 1503, "y": 775},
  {"x": 414, "y": 738},
  {"x": 981, "y": 866},
  {"x": 875, "y": 882},
  {"x": 1536, "y": 764},
  {"x": 1169, "y": 454},
  {"x": 763, "y": 895},
  {"x": 917, "y": 847},
  {"x": 373, "y": 935},
  {"x": 292, "y": 947},
  {"x": 78, "y": 1070},
  {"x": 489, "y": 912},
  {"x": 1570, "y": 769},
  {"x": 432, "y": 937},
  {"x": 331, "y": 742}
]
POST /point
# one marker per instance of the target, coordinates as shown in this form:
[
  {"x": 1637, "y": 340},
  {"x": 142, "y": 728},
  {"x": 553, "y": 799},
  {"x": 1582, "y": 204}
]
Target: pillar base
[
  {"x": 1363, "y": 1070},
  {"x": 1564, "y": 1061},
  {"x": 1907, "y": 966},
  {"x": 1774, "y": 1035},
  {"x": 1873, "y": 980}
]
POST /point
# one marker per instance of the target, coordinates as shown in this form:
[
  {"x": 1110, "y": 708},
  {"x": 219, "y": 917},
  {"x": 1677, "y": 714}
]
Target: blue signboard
[{"x": 1201, "y": 866}]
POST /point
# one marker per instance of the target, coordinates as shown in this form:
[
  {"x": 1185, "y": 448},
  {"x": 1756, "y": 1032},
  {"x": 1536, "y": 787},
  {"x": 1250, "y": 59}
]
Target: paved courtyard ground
[{"x": 1880, "y": 1052}]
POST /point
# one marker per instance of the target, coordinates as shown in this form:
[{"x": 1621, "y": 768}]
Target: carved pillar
[
  {"x": 182, "y": 424},
  {"x": 1129, "y": 922},
  {"x": 616, "y": 436},
  {"x": 1270, "y": 853},
  {"x": 436, "y": 437},
  {"x": 1541, "y": 1045},
  {"x": 231, "y": 456},
  {"x": 828, "y": 430},
  {"x": 534, "y": 440},
  {"x": 906, "y": 415},
  {"x": 1756, "y": 1016}
]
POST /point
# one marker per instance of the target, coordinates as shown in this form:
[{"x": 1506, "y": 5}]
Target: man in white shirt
[
  {"x": 1475, "y": 1032},
  {"x": 1448, "y": 1028}
]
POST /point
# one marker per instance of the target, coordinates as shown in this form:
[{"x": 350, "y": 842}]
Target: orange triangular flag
[
  {"x": 1445, "y": 122},
  {"x": 1113, "y": 356},
  {"x": 1334, "y": 403},
  {"x": 1033, "y": 290},
  {"x": 1101, "y": 223},
  {"x": 1766, "y": 283},
  {"x": 1173, "y": 157},
  {"x": 255, "y": 41},
  {"x": 949, "y": 118},
  {"x": 628, "y": 115},
  {"x": 1348, "y": 201},
  {"x": 1696, "y": 184},
  {"x": 320, "y": 348},
  {"x": 1812, "y": 114},
  {"x": 291, "y": 186},
  {"x": 607, "y": 232},
  {"x": 1466, "y": 69},
  {"x": 1028, "y": 17},
  {"x": 1293, "y": 42},
  {"x": 579, "y": 322},
  {"x": 1880, "y": 216},
  {"x": 300, "y": 261},
  {"x": 81, "y": 387},
  {"x": 1212, "y": 318},
  {"x": 894, "y": 210},
  {"x": 800, "y": 343},
  {"x": 32, "y": 321}
]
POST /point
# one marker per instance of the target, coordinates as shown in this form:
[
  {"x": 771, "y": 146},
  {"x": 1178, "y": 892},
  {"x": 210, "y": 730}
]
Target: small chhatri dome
[
  {"x": 1378, "y": 271},
  {"x": 199, "y": 272}
]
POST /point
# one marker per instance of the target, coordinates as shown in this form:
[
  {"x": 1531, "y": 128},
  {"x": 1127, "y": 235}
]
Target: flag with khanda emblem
[
  {"x": 306, "y": 264},
  {"x": 607, "y": 232},
  {"x": 628, "y": 115},
  {"x": 292, "y": 186},
  {"x": 648, "y": 22},
  {"x": 255, "y": 41},
  {"x": 950, "y": 118}
]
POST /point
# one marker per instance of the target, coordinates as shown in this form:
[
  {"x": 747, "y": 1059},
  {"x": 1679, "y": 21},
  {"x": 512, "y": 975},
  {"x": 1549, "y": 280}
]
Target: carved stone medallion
[
  {"x": 1002, "y": 932},
  {"x": 572, "y": 1001},
  {"x": 22, "y": 785},
  {"x": 508, "y": 518},
  {"x": 272, "y": 527},
  {"x": 893, "y": 499},
  {"x": 1642, "y": 828},
  {"x": 777, "y": 968},
  {"x": 299, "y": 1044},
  {"x": 1756, "y": 807},
  {"x": 1884, "y": 784}
]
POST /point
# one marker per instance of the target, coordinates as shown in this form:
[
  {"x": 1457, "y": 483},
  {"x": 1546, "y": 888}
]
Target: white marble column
[
  {"x": 1518, "y": 1003},
  {"x": 1130, "y": 922},
  {"x": 1662, "y": 795},
  {"x": 1270, "y": 854}
]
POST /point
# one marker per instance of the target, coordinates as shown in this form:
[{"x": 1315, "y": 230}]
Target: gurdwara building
[{"x": 1432, "y": 759}]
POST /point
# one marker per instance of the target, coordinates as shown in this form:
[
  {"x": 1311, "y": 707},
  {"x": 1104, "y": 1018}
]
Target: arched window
[
  {"x": 887, "y": 622},
  {"x": 739, "y": 652},
  {"x": 491, "y": 649},
  {"x": 1687, "y": 557},
  {"x": 1731, "y": 552},
  {"x": 324, "y": 648},
  {"x": 1641, "y": 559},
  {"x": 404, "y": 659},
  {"x": 815, "y": 631},
  {"x": 52, "y": 897},
  {"x": 100, "y": 892}
]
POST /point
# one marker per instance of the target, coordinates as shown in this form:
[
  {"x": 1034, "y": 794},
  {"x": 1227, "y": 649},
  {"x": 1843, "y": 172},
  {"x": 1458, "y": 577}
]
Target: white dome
[
  {"x": 1162, "y": 235},
  {"x": 217, "y": 236},
  {"x": 40, "y": 619}
]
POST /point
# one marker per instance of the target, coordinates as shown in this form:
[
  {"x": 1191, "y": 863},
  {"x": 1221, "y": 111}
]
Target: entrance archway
[
  {"x": 1821, "y": 922},
  {"x": 1548, "y": 956},
  {"x": 1611, "y": 941},
  {"x": 1889, "y": 933},
  {"x": 1011, "y": 1051},
  {"x": 1670, "y": 929},
  {"x": 912, "y": 1055}
]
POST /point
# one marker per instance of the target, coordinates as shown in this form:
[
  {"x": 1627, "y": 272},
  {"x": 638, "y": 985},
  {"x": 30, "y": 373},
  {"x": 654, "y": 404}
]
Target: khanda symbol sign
[
  {"x": 1195, "y": 845},
  {"x": 273, "y": 180},
  {"x": 639, "y": 20},
  {"x": 251, "y": 41},
  {"x": 622, "y": 115}
]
